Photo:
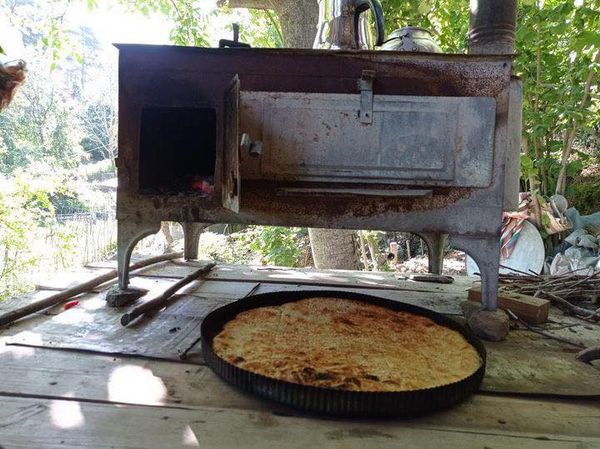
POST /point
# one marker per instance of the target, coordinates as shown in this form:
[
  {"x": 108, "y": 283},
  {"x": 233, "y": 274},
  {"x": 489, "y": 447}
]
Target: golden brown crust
[{"x": 346, "y": 344}]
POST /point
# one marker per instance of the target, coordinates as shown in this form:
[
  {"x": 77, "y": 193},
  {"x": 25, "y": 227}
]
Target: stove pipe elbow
[{"x": 492, "y": 27}]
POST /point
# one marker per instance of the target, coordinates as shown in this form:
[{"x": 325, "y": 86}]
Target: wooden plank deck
[{"x": 76, "y": 379}]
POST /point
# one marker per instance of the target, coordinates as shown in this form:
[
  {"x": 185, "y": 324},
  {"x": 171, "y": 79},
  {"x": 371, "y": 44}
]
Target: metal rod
[
  {"x": 163, "y": 299},
  {"x": 63, "y": 295}
]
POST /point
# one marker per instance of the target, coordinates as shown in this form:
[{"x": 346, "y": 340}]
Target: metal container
[
  {"x": 411, "y": 39},
  {"x": 342, "y": 25},
  {"x": 332, "y": 401}
]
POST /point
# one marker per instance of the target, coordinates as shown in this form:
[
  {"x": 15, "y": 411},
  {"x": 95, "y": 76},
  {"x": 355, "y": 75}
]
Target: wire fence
[{"x": 79, "y": 238}]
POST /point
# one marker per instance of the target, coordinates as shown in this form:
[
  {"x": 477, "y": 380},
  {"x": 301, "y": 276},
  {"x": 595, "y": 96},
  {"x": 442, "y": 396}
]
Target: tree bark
[
  {"x": 331, "y": 248},
  {"x": 298, "y": 18}
]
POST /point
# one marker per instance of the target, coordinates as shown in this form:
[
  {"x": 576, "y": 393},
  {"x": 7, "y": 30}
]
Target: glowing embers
[{"x": 203, "y": 185}]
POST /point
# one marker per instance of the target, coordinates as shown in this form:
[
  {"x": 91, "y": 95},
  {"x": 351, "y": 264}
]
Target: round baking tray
[{"x": 329, "y": 401}]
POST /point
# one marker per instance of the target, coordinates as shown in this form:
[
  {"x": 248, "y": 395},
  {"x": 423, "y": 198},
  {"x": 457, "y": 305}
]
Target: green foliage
[
  {"x": 40, "y": 125},
  {"x": 99, "y": 140},
  {"x": 31, "y": 238},
  {"x": 585, "y": 196},
  {"x": 189, "y": 18},
  {"x": 269, "y": 245},
  {"x": 16, "y": 224},
  {"x": 556, "y": 42},
  {"x": 264, "y": 30},
  {"x": 277, "y": 245},
  {"x": 448, "y": 19},
  {"x": 24, "y": 206}
]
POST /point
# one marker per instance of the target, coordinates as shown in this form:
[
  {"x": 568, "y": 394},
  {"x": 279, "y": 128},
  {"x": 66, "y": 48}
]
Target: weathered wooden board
[
  {"x": 62, "y": 280},
  {"x": 518, "y": 367},
  {"x": 31, "y": 320},
  {"x": 94, "y": 327},
  {"x": 71, "y": 375},
  {"x": 303, "y": 276},
  {"x": 446, "y": 303},
  {"x": 45, "y": 423},
  {"x": 530, "y": 364},
  {"x": 10, "y": 304},
  {"x": 573, "y": 328},
  {"x": 525, "y": 363},
  {"x": 528, "y": 308}
]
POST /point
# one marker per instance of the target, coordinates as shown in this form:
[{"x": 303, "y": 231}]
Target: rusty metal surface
[
  {"x": 158, "y": 76},
  {"x": 285, "y": 70}
]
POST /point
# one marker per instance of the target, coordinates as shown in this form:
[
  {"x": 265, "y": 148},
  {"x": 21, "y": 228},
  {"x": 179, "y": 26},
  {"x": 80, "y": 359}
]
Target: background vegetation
[{"x": 58, "y": 138}]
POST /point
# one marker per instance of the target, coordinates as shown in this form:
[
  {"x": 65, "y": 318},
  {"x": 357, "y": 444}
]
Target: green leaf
[
  {"x": 424, "y": 7},
  {"x": 574, "y": 168},
  {"x": 588, "y": 37}
]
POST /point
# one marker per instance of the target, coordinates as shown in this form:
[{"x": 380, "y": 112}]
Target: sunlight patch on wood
[
  {"x": 189, "y": 438},
  {"x": 66, "y": 414},
  {"x": 136, "y": 385}
]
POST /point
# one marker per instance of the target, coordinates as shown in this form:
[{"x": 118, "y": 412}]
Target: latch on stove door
[
  {"x": 249, "y": 147},
  {"x": 365, "y": 85}
]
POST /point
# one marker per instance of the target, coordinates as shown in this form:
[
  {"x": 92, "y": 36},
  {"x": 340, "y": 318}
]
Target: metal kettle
[
  {"x": 342, "y": 24},
  {"x": 412, "y": 39}
]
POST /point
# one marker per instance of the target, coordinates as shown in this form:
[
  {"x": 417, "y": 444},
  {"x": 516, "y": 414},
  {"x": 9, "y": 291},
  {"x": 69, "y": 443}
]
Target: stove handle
[
  {"x": 253, "y": 148},
  {"x": 375, "y": 6}
]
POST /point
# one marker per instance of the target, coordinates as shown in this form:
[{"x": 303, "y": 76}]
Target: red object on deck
[{"x": 70, "y": 304}]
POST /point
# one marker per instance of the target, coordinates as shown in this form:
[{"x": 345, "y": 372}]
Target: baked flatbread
[{"x": 346, "y": 344}]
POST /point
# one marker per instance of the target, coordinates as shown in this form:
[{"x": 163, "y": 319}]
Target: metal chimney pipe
[{"x": 492, "y": 27}]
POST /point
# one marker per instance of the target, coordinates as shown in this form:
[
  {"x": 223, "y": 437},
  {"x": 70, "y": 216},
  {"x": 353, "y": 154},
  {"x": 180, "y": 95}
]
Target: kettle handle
[{"x": 375, "y": 6}]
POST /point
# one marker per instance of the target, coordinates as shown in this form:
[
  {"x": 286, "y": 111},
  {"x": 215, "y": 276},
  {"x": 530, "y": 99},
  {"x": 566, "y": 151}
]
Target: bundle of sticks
[{"x": 575, "y": 294}]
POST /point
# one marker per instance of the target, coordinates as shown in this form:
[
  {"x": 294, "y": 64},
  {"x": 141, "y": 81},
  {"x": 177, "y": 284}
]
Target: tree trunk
[
  {"x": 331, "y": 248},
  {"x": 561, "y": 183},
  {"x": 298, "y": 18}
]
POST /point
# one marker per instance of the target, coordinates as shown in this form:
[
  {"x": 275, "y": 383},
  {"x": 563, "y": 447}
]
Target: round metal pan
[{"x": 328, "y": 401}]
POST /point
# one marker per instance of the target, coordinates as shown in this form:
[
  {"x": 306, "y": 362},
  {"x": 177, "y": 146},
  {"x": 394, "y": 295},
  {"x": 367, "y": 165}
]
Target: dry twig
[
  {"x": 541, "y": 332},
  {"x": 562, "y": 290}
]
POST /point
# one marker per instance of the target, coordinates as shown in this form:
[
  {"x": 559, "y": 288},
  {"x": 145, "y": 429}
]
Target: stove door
[
  {"x": 426, "y": 141},
  {"x": 231, "y": 160}
]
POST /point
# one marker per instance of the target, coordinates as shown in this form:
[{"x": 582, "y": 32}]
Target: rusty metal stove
[{"x": 341, "y": 139}]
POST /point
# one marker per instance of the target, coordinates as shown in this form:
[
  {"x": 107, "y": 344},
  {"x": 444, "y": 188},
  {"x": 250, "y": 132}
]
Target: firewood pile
[
  {"x": 575, "y": 294},
  {"x": 12, "y": 75}
]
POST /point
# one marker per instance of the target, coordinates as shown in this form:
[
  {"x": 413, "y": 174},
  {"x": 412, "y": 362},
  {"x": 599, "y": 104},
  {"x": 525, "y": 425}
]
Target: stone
[
  {"x": 469, "y": 308},
  {"x": 493, "y": 326},
  {"x": 117, "y": 297}
]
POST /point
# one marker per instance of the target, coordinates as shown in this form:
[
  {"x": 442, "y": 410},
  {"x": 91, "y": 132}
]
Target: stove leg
[
  {"x": 191, "y": 236},
  {"x": 436, "y": 242},
  {"x": 128, "y": 235},
  {"x": 485, "y": 251}
]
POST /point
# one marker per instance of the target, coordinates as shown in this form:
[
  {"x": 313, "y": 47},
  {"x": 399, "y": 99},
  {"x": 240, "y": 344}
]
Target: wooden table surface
[{"x": 75, "y": 379}]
